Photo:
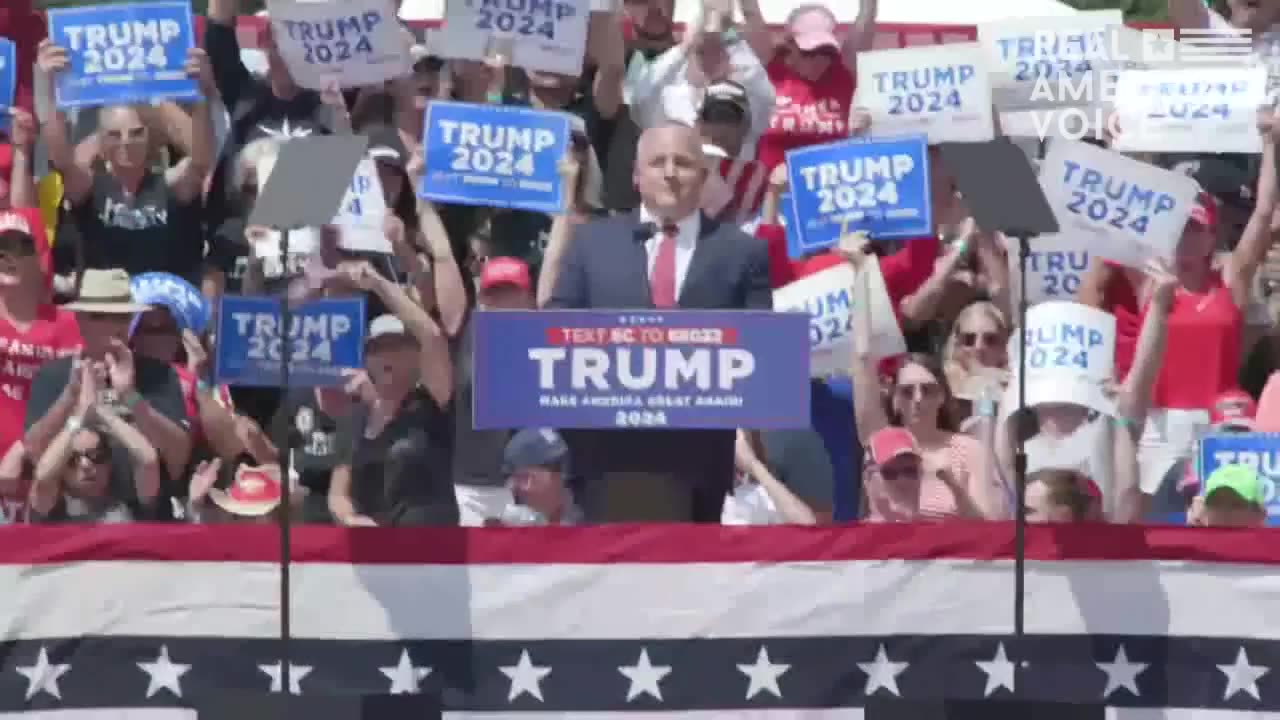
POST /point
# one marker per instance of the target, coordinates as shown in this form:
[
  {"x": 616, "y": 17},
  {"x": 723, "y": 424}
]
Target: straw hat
[{"x": 106, "y": 291}]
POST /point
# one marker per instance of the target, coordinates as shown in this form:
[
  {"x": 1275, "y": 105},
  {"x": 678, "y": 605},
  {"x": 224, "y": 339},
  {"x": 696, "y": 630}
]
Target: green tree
[{"x": 1134, "y": 10}]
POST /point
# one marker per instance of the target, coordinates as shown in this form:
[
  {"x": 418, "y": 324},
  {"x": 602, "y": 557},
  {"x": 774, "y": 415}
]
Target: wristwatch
[{"x": 131, "y": 399}]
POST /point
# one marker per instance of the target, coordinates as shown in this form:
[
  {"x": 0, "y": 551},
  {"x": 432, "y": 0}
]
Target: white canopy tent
[{"x": 936, "y": 12}]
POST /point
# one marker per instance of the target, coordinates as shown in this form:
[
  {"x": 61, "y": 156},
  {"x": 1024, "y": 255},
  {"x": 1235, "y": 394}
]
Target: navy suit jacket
[{"x": 606, "y": 267}]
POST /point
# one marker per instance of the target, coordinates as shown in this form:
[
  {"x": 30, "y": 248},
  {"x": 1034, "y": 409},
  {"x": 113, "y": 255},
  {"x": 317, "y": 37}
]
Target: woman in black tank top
[{"x": 127, "y": 214}]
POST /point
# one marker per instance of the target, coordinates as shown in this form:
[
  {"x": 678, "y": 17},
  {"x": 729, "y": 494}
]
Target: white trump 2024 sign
[
  {"x": 352, "y": 43},
  {"x": 546, "y": 35},
  {"x": 943, "y": 91},
  {"x": 1056, "y": 265},
  {"x": 1028, "y": 56},
  {"x": 1129, "y": 210},
  {"x": 1203, "y": 110},
  {"x": 1070, "y": 355},
  {"x": 829, "y": 297},
  {"x": 363, "y": 212}
]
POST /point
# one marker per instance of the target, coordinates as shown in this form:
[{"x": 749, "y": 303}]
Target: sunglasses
[
  {"x": 910, "y": 391},
  {"x": 901, "y": 472},
  {"x": 133, "y": 134},
  {"x": 98, "y": 456},
  {"x": 984, "y": 339},
  {"x": 156, "y": 330},
  {"x": 822, "y": 52}
]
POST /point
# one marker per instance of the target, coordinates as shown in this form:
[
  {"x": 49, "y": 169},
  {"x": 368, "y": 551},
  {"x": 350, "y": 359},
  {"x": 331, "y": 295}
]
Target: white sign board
[
  {"x": 352, "y": 43},
  {"x": 1070, "y": 356},
  {"x": 1209, "y": 110},
  {"x": 1126, "y": 210},
  {"x": 1056, "y": 265},
  {"x": 942, "y": 91},
  {"x": 1052, "y": 58},
  {"x": 550, "y": 36},
  {"x": 828, "y": 298},
  {"x": 363, "y": 211}
]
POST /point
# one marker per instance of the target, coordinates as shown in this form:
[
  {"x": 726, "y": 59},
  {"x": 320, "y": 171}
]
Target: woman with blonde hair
[
  {"x": 976, "y": 350},
  {"x": 128, "y": 215}
]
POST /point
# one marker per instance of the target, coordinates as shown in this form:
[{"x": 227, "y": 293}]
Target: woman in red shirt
[
  {"x": 812, "y": 75},
  {"x": 1205, "y": 321}
]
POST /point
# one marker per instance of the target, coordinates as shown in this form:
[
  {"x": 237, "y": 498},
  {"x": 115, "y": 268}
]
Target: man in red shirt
[{"x": 31, "y": 332}]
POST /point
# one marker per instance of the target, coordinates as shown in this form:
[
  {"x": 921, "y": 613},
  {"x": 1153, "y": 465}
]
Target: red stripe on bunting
[{"x": 37, "y": 545}]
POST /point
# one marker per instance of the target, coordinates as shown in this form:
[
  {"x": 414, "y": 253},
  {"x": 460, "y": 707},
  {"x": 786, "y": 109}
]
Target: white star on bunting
[
  {"x": 1122, "y": 674},
  {"x": 1241, "y": 676},
  {"x": 999, "y": 670},
  {"x": 882, "y": 672},
  {"x": 405, "y": 677},
  {"x": 525, "y": 677},
  {"x": 43, "y": 675},
  {"x": 644, "y": 677},
  {"x": 296, "y": 673},
  {"x": 763, "y": 674},
  {"x": 164, "y": 674}
]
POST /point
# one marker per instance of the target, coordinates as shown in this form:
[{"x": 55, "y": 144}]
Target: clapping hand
[
  {"x": 203, "y": 479},
  {"x": 120, "y": 369}
]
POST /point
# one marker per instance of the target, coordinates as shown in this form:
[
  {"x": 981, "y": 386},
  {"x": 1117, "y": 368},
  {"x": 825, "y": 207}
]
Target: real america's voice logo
[{"x": 1077, "y": 105}]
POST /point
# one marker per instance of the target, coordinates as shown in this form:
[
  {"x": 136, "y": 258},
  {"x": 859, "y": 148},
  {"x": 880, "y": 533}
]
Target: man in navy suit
[{"x": 668, "y": 254}]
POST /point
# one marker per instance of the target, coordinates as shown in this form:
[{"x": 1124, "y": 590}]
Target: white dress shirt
[{"x": 686, "y": 240}]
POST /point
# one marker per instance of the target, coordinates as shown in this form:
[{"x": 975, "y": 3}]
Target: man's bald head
[{"x": 670, "y": 171}]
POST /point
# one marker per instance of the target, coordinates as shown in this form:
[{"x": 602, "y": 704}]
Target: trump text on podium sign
[{"x": 647, "y": 369}]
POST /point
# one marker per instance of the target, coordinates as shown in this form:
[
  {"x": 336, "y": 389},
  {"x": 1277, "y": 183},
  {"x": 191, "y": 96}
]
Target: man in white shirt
[{"x": 673, "y": 88}]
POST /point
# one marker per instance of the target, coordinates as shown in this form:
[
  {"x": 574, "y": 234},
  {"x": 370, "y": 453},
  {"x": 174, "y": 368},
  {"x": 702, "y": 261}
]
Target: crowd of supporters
[{"x": 109, "y": 411}]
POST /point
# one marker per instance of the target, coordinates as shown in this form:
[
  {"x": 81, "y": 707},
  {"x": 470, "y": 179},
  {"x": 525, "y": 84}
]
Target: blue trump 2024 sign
[
  {"x": 641, "y": 369},
  {"x": 1260, "y": 451},
  {"x": 325, "y": 339},
  {"x": 877, "y": 186},
  {"x": 8, "y": 79},
  {"x": 494, "y": 155},
  {"x": 124, "y": 53}
]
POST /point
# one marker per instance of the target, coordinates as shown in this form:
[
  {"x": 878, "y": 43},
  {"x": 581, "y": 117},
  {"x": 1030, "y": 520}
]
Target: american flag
[
  {"x": 876, "y": 622},
  {"x": 1214, "y": 46}
]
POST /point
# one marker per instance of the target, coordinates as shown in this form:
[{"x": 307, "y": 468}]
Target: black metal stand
[
  {"x": 285, "y": 509},
  {"x": 1020, "y": 469}
]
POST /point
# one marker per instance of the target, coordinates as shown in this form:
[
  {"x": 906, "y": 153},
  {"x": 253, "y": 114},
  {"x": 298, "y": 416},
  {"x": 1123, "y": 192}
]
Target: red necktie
[{"x": 663, "y": 282}]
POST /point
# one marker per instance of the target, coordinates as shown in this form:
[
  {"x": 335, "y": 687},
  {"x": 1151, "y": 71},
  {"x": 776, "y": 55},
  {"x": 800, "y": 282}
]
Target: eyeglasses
[
  {"x": 983, "y": 339},
  {"x": 98, "y": 456},
  {"x": 910, "y": 391}
]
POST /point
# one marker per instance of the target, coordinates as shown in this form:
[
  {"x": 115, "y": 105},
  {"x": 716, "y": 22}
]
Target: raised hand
[
  {"x": 1163, "y": 282},
  {"x": 22, "y": 130},
  {"x": 200, "y": 69},
  {"x": 52, "y": 59},
  {"x": 859, "y": 122}
]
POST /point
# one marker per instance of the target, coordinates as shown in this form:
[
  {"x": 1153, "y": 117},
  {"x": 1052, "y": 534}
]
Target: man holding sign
[{"x": 669, "y": 255}]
